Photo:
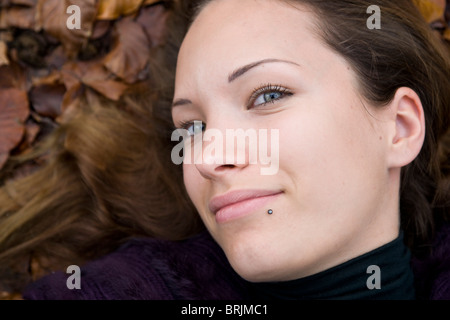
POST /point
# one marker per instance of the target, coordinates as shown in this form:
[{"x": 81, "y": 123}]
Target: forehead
[{"x": 229, "y": 33}]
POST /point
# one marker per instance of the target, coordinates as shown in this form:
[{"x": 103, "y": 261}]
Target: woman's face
[{"x": 258, "y": 64}]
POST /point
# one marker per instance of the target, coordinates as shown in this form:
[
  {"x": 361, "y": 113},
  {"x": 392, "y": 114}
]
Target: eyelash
[
  {"x": 268, "y": 88},
  {"x": 186, "y": 124}
]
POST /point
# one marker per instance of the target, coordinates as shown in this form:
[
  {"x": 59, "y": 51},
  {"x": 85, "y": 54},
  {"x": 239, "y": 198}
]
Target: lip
[{"x": 239, "y": 203}]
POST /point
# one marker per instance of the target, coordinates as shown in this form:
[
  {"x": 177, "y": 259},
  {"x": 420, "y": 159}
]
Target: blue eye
[
  {"x": 268, "y": 97},
  {"x": 268, "y": 94},
  {"x": 194, "y": 127}
]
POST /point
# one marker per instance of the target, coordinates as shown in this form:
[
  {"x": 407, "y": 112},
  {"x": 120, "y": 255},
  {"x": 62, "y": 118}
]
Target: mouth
[{"x": 239, "y": 203}]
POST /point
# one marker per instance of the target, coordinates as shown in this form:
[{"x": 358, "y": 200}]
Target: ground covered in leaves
[{"x": 45, "y": 67}]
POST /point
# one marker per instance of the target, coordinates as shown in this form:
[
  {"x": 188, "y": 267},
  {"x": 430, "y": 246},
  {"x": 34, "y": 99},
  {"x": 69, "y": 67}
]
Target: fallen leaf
[
  {"x": 17, "y": 17},
  {"x": 46, "y": 99},
  {"x": 153, "y": 21},
  {"x": 26, "y": 3},
  {"x": 150, "y": 2},
  {"x": 3, "y": 158},
  {"x": 100, "y": 28},
  {"x": 54, "y": 77},
  {"x": 431, "y": 10},
  {"x": 447, "y": 34},
  {"x": 111, "y": 89},
  {"x": 71, "y": 101},
  {"x": 14, "y": 110},
  {"x": 4, "y": 60},
  {"x": 56, "y": 58},
  {"x": 31, "y": 131},
  {"x": 93, "y": 75},
  {"x": 131, "y": 51},
  {"x": 52, "y": 17},
  {"x": 13, "y": 76},
  {"x": 113, "y": 9}
]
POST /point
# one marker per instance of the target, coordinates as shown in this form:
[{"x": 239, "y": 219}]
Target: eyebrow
[
  {"x": 181, "y": 102},
  {"x": 236, "y": 74},
  {"x": 242, "y": 70}
]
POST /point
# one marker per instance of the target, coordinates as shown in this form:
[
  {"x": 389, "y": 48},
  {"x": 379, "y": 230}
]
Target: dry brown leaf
[
  {"x": 447, "y": 34},
  {"x": 153, "y": 21},
  {"x": 32, "y": 129},
  {"x": 26, "y": 3},
  {"x": 13, "y": 76},
  {"x": 71, "y": 100},
  {"x": 92, "y": 75},
  {"x": 150, "y": 2},
  {"x": 113, "y": 9},
  {"x": 53, "y": 77},
  {"x": 431, "y": 10},
  {"x": 3, "y": 158},
  {"x": 14, "y": 110},
  {"x": 71, "y": 73},
  {"x": 111, "y": 89},
  {"x": 56, "y": 58},
  {"x": 52, "y": 17},
  {"x": 101, "y": 27},
  {"x": 131, "y": 51},
  {"x": 17, "y": 17},
  {"x": 46, "y": 99},
  {"x": 4, "y": 60}
]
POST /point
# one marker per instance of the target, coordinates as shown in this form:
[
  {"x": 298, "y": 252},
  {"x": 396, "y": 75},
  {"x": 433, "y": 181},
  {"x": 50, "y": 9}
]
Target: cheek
[{"x": 329, "y": 150}]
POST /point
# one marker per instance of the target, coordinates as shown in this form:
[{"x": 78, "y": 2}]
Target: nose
[{"x": 223, "y": 153}]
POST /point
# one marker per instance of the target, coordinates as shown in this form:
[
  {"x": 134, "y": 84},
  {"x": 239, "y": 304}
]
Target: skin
[{"x": 340, "y": 156}]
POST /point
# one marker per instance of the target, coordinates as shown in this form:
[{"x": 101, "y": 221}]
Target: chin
[
  {"x": 254, "y": 263},
  {"x": 257, "y": 273}
]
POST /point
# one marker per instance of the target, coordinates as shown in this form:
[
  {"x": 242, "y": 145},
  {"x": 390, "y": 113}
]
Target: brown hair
[
  {"x": 404, "y": 52},
  {"x": 107, "y": 176}
]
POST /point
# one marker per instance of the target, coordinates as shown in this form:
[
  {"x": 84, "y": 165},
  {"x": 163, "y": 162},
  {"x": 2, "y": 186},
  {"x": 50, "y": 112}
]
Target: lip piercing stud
[{"x": 270, "y": 211}]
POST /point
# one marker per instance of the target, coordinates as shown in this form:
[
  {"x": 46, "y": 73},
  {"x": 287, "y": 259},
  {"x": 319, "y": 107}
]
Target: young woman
[{"x": 356, "y": 207}]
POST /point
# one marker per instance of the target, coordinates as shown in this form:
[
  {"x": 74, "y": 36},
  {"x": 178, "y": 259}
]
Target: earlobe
[{"x": 409, "y": 135}]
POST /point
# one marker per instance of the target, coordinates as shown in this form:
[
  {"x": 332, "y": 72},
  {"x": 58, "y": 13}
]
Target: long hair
[
  {"x": 105, "y": 175},
  {"x": 405, "y": 51}
]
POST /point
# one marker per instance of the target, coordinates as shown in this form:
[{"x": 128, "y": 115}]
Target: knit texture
[
  {"x": 149, "y": 269},
  {"x": 433, "y": 272}
]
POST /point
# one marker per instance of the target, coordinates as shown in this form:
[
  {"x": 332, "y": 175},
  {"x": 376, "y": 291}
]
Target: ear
[{"x": 407, "y": 139}]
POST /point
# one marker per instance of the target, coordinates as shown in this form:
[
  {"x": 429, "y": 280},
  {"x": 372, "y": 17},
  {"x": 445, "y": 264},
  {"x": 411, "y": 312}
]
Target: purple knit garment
[
  {"x": 433, "y": 272},
  {"x": 149, "y": 269}
]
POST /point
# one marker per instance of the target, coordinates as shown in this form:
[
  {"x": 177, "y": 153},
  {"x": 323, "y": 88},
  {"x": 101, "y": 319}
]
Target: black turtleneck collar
[{"x": 351, "y": 280}]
